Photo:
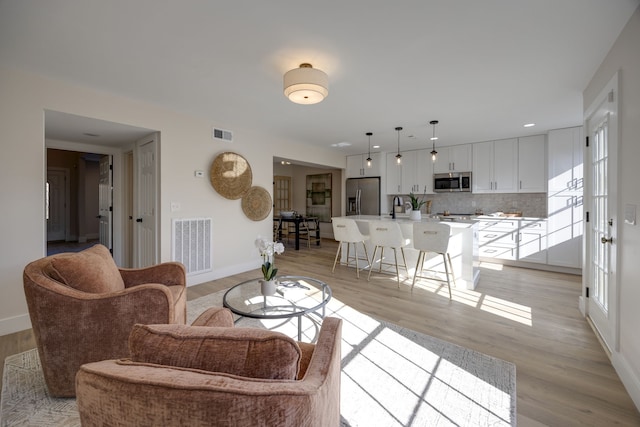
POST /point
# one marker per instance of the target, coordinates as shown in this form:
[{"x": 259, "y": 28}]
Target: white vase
[
  {"x": 415, "y": 215},
  {"x": 268, "y": 287}
]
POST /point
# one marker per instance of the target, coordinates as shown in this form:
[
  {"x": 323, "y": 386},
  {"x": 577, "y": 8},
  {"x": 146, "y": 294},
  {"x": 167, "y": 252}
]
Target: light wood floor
[{"x": 527, "y": 317}]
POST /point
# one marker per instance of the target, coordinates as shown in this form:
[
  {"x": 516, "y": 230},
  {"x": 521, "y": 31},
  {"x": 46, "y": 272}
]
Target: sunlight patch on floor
[
  {"x": 507, "y": 309},
  {"x": 498, "y": 306},
  {"x": 412, "y": 375}
]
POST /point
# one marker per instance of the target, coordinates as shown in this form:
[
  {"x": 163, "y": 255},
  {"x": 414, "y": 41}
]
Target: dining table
[{"x": 297, "y": 220}]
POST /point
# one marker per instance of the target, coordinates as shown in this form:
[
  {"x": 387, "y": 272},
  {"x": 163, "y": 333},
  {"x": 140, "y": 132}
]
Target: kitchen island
[{"x": 463, "y": 248}]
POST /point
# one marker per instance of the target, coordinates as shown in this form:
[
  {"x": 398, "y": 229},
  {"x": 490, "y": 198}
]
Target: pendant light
[
  {"x": 398, "y": 156},
  {"x": 369, "y": 158},
  {"x": 434, "y": 153}
]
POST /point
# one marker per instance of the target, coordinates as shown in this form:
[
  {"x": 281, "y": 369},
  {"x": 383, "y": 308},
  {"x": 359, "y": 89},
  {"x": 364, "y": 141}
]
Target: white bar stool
[
  {"x": 387, "y": 234},
  {"x": 433, "y": 237},
  {"x": 345, "y": 230}
]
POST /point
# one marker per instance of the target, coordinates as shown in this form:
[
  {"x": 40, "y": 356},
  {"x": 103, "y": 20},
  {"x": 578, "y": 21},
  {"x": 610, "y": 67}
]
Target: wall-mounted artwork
[{"x": 319, "y": 196}]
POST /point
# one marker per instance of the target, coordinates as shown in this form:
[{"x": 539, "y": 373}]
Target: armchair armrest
[
  {"x": 215, "y": 316},
  {"x": 167, "y": 273}
]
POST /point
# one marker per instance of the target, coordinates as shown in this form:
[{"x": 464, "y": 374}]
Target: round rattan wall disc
[
  {"x": 256, "y": 203},
  {"x": 231, "y": 175}
]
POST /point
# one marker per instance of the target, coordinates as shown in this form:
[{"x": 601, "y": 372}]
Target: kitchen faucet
[{"x": 393, "y": 206}]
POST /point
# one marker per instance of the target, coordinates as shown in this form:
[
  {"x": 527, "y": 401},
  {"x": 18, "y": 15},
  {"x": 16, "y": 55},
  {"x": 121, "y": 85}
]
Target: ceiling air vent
[{"x": 225, "y": 135}]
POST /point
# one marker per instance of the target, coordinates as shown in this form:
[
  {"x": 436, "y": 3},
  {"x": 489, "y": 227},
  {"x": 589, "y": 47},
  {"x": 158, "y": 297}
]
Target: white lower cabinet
[
  {"x": 497, "y": 239},
  {"x": 513, "y": 239},
  {"x": 532, "y": 241}
]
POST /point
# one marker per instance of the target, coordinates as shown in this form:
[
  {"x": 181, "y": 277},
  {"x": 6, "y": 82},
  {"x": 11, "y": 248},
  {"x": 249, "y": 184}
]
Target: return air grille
[
  {"x": 225, "y": 135},
  {"x": 192, "y": 244}
]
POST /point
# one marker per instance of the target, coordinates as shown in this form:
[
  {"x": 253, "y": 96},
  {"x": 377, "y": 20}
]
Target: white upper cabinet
[
  {"x": 357, "y": 165},
  {"x": 413, "y": 175},
  {"x": 417, "y": 172},
  {"x": 565, "y": 160},
  {"x": 394, "y": 175},
  {"x": 495, "y": 166},
  {"x": 453, "y": 159},
  {"x": 532, "y": 176}
]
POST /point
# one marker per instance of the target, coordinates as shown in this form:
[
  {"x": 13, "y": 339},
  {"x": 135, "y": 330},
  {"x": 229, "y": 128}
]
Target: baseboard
[
  {"x": 628, "y": 377},
  {"x": 533, "y": 265},
  {"x": 220, "y": 273},
  {"x": 11, "y": 325}
]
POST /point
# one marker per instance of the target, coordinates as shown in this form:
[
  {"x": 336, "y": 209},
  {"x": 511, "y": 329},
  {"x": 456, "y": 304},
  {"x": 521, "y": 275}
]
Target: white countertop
[{"x": 405, "y": 220}]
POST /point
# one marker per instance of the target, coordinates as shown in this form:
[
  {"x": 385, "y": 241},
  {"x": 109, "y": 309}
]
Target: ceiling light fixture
[
  {"x": 369, "y": 158},
  {"x": 529, "y": 125},
  {"x": 434, "y": 153},
  {"x": 398, "y": 156},
  {"x": 306, "y": 85}
]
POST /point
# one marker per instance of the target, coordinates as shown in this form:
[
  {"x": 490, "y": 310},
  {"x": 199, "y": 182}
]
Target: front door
[{"x": 603, "y": 222}]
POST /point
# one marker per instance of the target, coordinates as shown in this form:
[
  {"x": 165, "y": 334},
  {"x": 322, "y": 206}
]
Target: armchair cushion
[
  {"x": 92, "y": 270},
  {"x": 246, "y": 352}
]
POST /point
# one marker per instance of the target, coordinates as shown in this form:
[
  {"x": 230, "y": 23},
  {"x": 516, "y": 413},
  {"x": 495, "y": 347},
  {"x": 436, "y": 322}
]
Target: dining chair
[
  {"x": 277, "y": 225},
  {"x": 387, "y": 234},
  {"x": 433, "y": 237},
  {"x": 346, "y": 231},
  {"x": 308, "y": 230}
]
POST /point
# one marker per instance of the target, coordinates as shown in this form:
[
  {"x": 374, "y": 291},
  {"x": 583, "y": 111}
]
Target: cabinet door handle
[{"x": 520, "y": 184}]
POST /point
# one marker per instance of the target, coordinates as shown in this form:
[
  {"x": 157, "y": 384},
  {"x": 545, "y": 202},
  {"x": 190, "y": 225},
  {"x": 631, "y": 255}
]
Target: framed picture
[{"x": 319, "y": 196}]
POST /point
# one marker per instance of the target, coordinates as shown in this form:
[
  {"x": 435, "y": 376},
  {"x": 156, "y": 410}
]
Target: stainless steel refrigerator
[{"x": 363, "y": 196}]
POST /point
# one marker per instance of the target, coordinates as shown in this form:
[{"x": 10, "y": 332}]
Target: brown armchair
[
  {"x": 82, "y": 308},
  {"x": 226, "y": 376}
]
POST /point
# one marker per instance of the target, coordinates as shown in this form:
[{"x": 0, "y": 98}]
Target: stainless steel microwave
[{"x": 451, "y": 182}]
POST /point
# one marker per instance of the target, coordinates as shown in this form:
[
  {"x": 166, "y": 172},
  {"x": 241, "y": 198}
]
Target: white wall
[
  {"x": 625, "y": 57},
  {"x": 185, "y": 146}
]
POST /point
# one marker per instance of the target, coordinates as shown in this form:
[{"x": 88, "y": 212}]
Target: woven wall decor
[
  {"x": 256, "y": 203},
  {"x": 231, "y": 175}
]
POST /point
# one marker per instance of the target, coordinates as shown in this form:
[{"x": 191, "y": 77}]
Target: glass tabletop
[{"x": 294, "y": 296}]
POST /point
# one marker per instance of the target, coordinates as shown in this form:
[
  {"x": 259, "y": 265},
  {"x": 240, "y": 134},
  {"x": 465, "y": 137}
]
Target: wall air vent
[
  {"x": 192, "y": 243},
  {"x": 224, "y": 135}
]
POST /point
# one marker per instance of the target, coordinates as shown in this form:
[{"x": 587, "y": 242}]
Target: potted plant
[
  {"x": 268, "y": 251},
  {"x": 416, "y": 204}
]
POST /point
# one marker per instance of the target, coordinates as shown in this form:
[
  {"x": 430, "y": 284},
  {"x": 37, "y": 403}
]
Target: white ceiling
[{"x": 483, "y": 68}]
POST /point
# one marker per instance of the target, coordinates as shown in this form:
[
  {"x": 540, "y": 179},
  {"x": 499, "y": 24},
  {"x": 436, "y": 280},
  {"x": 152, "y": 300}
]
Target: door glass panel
[{"x": 599, "y": 222}]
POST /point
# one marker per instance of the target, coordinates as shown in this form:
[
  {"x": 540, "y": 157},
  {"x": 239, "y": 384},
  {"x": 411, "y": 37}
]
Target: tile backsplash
[{"x": 530, "y": 204}]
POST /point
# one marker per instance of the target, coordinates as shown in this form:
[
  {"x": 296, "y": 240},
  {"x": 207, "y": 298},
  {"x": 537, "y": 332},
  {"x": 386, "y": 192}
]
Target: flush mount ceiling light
[
  {"x": 398, "y": 156},
  {"x": 434, "y": 153},
  {"x": 369, "y": 158},
  {"x": 306, "y": 85},
  {"x": 529, "y": 125}
]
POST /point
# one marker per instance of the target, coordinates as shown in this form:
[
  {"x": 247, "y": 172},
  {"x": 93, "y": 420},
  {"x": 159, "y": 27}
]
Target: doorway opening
[
  {"x": 101, "y": 186},
  {"x": 72, "y": 200}
]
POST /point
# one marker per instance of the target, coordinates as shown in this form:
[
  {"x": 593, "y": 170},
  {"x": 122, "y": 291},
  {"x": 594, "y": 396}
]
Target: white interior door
[
  {"x": 145, "y": 203},
  {"x": 105, "y": 202},
  {"x": 603, "y": 223},
  {"x": 56, "y": 203}
]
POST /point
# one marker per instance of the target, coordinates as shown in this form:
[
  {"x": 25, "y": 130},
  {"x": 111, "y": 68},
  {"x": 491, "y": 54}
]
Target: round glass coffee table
[{"x": 295, "y": 296}]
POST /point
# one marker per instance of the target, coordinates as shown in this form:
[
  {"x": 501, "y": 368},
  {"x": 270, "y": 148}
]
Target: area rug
[{"x": 391, "y": 376}]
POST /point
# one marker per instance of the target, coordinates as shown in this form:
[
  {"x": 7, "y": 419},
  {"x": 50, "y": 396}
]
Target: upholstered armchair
[
  {"x": 211, "y": 373},
  {"x": 82, "y": 308}
]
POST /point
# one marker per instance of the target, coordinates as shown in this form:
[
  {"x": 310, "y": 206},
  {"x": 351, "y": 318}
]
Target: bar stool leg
[
  {"x": 446, "y": 271},
  {"x": 373, "y": 259}
]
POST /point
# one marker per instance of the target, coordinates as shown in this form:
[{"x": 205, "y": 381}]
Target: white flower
[
  {"x": 267, "y": 251},
  {"x": 278, "y": 247}
]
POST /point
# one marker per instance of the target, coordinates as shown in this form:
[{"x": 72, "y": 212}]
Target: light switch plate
[{"x": 630, "y": 214}]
